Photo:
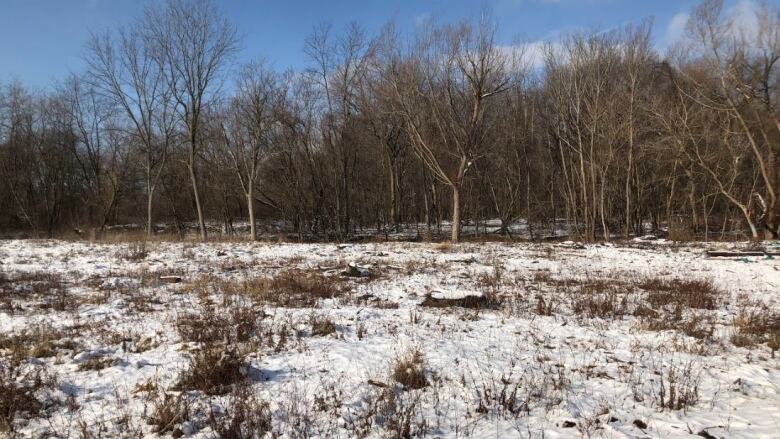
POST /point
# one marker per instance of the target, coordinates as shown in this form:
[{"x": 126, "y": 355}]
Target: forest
[{"x": 599, "y": 133}]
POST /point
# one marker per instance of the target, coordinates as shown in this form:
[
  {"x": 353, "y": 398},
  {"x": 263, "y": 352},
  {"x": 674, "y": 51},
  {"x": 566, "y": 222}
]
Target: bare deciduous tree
[
  {"x": 443, "y": 89},
  {"x": 193, "y": 43}
]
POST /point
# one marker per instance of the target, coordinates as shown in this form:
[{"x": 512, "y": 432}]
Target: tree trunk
[
  {"x": 201, "y": 223},
  {"x": 393, "y": 210},
  {"x": 149, "y": 199},
  {"x": 455, "y": 214},
  {"x": 250, "y": 205}
]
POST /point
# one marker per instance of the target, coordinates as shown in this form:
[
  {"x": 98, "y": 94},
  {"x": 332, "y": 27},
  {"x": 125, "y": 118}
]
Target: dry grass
[
  {"x": 96, "y": 363},
  {"x": 211, "y": 324},
  {"x": 41, "y": 341},
  {"x": 167, "y": 411},
  {"x": 289, "y": 288},
  {"x": 602, "y": 304},
  {"x": 135, "y": 251},
  {"x": 700, "y": 294},
  {"x": 244, "y": 416},
  {"x": 212, "y": 370},
  {"x": 757, "y": 324},
  {"x": 678, "y": 388},
  {"x": 38, "y": 283},
  {"x": 408, "y": 370},
  {"x": 692, "y": 324},
  {"x": 18, "y": 395},
  {"x": 545, "y": 307},
  {"x": 49, "y": 291},
  {"x": 321, "y": 326},
  {"x": 444, "y": 246}
]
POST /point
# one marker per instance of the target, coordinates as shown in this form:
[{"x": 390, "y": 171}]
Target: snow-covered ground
[{"x": 650, "y": 339}]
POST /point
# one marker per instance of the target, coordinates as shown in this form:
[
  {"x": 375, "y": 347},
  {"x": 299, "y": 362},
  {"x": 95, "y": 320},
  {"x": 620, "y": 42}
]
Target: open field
[{"x": 645, "y": 339}]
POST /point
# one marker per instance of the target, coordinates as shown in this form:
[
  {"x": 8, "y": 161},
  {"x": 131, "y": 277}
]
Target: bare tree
[
  {"x": 248, "y": 128},
  {"x": 193, "y": 43},
  {"x": 97, "y": 151},
  {"x": 443, "y": 90},
  {"x": 126, "y": 72},
  {"x": 739, "y": 78},
  {"x": 338, "y": 66}
]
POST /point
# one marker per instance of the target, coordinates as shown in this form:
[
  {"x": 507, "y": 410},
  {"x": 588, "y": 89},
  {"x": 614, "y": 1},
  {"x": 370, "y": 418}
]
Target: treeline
[{"x": 598, "y": 129}]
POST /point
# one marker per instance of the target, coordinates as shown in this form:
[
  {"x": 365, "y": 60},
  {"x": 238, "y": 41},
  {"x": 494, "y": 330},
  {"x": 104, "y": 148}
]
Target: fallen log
[
  {"x": 470, "y": 301},
  {"x": 170, "y": 279},
  {"x": 739, "y": 254}
]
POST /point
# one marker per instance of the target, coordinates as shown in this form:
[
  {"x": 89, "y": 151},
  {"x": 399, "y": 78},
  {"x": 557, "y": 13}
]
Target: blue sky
[{"x": 42, "y": 40}]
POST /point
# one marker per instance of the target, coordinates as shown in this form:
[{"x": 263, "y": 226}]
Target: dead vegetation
[
  {"x": 321, "y": 325},
  {"x": 755, "y": 324},
  {"x": 699, "y": 294},
  {"x": 135, "y": 251},
  {"x": 225, "y": 319},
  {"x": 691, "y": 323},
  {"x": 213, "y": 370},
  {"x": 408, "y": 370},
  {"x": 470, "y": 301},
  {"x": 167, "y": 411},
  {"x": 212, "y": 324},
  {"x": 289, "y": 288},
  {"x": 18, "y": 389},
  {"x": 243, "y": 416},
  {"x": 678, "y": 387},
  {"x": 601, "y": 301},
  {"x": 41, "y": 341},
  {"x": 43, "y": 290},
  {"x": 96, "y": 363}
]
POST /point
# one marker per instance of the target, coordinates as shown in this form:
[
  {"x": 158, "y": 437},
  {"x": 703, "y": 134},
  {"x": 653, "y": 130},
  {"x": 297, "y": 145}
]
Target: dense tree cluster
[{"x": 599, "y": 131}]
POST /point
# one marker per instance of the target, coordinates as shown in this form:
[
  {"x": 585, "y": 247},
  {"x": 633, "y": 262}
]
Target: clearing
[{"x": 641, "y": 339}]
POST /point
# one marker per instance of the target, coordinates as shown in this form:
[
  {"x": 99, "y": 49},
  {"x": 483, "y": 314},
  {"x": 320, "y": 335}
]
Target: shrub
[
  {"x": 244, "y": 416},
  {"x": 700, "y": 294},
  {"x": 321, "y": 325},
  {"x": 678, "y": 388},
  {"x": 290, "y": 288},
  {"x": 408, "y": 370},
  {"x": 757, "y": 325},
  {"x": 168, "y": 410},
  {"x": 135, "y": 251},
  {"x": 17, "y": 395},
  {"x": 212, "y": 371},
  {"x": 236, "y": 324}
]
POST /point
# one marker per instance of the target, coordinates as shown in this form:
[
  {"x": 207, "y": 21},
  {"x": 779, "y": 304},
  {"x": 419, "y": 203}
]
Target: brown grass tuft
[
  {"x": 700, "y": 294},
  {"x": 17, "y": 395},
  {"x": 408, "y": 370},
  {"x": 757, "y": 325},
  {"x": 212, "y": 371},
  {"x": 244, "y": 416},
  {"x": 168, "y": 410},
  {"x": 321, "y": 326},
  {"x": 290, "y": 288}
]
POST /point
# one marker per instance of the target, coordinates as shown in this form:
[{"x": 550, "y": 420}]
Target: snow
[{"x": 601, "y": 374}]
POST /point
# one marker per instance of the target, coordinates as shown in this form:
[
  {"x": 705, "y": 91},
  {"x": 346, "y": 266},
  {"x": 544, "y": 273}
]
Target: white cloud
[
  {"x": 422, "y": 19},
  {"x": 675, "y": 30},
  {"x": 532, "y": 53},
  {"x": 745, "y": 18},
  {"x": 743, "y": 15}
]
